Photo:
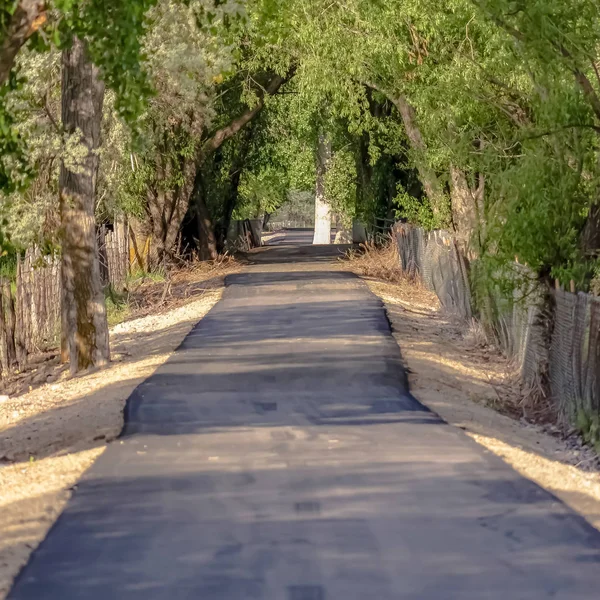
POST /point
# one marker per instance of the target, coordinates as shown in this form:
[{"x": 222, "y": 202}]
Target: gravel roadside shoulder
[{"x": 50, "y": 436}]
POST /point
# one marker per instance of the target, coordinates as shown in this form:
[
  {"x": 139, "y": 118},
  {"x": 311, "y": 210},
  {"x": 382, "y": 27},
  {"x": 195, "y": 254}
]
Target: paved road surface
[{"x": 279, "y": 456}]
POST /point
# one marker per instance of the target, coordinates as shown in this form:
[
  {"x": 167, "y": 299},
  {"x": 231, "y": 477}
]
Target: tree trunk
[
  {"x": 590, "y": 236},
  {"x": 464, "y": 214},
  {"x": 266, "y": 220},
  {"x": 207, "y": 243},
  {"x": 467, "y": 208},
  {"x": 230, "y": 204},
  {"x": 84, "y": 310},
  {"x": 322, "y": 206},
  {"x": 427, "y": 175},
  {"x": 235, "y": 175}
]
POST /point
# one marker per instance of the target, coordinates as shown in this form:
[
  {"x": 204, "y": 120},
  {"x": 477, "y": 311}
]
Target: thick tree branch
[
  {"x": 223, "y": 134},
  {"x": 28, "y": 17},
  {"x": 582, "y": 80},
  {"x": 427, "y": 175}
]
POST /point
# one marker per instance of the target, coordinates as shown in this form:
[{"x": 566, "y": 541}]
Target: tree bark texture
[
  {"x": 27, "y": 18},
  {"x": 427, "y": 175},
  {"x": 84, "y": 309},
  {"x": 467, "y": 206},
  {"x": 322, "y": 206}
]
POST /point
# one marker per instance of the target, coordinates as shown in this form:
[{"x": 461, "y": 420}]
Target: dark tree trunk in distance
[
  {"x": 235, "y": 175},
  {"x": 207, "y": 243},
  {"x": 84, "y": 309},
  {"x": 590, "y": 236}
]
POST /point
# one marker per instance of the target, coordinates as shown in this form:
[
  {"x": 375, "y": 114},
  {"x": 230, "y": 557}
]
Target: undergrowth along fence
[{"x": 553, "y": 336}]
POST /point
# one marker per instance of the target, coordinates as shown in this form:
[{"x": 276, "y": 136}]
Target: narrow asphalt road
[{"x": 279, "y": 456}]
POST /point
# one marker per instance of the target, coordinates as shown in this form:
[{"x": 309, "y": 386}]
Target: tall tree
[
  {"x": 207, "y": 239},
  {"x": 85, "y": 328}
]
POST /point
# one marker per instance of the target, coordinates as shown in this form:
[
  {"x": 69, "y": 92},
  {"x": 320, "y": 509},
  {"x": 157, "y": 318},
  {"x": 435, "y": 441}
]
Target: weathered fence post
[{"x": 20, "y": 333}]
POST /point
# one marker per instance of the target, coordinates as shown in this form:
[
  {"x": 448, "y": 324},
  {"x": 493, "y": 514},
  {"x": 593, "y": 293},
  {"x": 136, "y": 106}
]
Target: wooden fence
[
  {"x": 37, "y": 301},
  {"x": 560, "y": 347},
  {"x": 30, "y": 312}
]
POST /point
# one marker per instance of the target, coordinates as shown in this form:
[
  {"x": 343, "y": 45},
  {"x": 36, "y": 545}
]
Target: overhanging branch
[
  {"x": 225, "y": 133},
  {"x": 28, "y": 17}
]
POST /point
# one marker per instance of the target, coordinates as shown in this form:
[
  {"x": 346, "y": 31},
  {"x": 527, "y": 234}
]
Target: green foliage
[
  {"x": 506, "y": 93},
  {"x": 15, "y": 169},
  {"x": 8, "y": 264},
  {"x": 261, "y": 192},
  {"x": 117, "y": 306},
  {"x": 340, "y": 185},
  {"x": 414, "y": 210}
]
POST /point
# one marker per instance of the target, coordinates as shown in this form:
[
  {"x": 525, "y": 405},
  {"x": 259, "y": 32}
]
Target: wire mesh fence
[
  {"x": 574, "y": 364},
  {"x": 561, "y": 347},
  {"x": 434, "y": 258}
]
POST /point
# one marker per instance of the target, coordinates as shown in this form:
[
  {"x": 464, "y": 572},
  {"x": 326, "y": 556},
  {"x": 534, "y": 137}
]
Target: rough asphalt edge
[
  {"x": 494, "y": 461},
  {"x": 128, "y": 411},
  {"x": 491, "y": 458}
]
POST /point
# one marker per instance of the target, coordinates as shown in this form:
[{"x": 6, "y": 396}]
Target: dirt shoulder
[
  {"x": 467, "y": 383},
  {"x": 52, "y": 434}
]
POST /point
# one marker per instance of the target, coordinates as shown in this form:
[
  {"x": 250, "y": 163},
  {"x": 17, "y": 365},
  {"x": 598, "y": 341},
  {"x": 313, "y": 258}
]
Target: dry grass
[
  {"x": 379, "y": 261},
  {"x": 147, "y": 295}
]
